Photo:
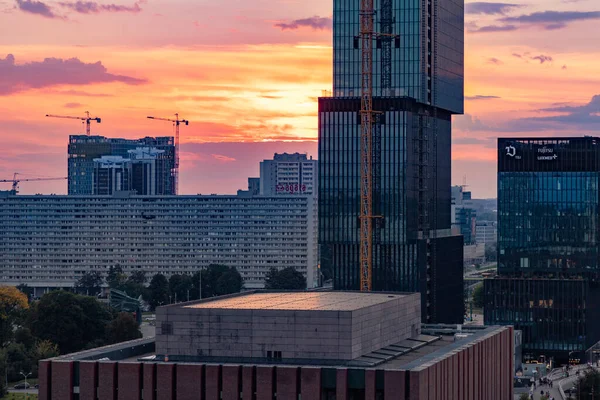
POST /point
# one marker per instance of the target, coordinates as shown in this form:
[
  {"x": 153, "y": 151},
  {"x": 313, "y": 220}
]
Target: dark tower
[{"x": 416, "y": 89}]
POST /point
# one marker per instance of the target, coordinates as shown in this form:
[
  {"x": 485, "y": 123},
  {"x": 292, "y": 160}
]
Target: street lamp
[{"x": 25, "y": 376}]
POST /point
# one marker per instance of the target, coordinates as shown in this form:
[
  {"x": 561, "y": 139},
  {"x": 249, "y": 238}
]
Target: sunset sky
[{"x": 247, "y": 75}]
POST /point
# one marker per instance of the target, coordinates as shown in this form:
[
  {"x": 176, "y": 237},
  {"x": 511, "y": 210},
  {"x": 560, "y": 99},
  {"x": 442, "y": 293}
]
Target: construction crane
[
  {"x": 15, "y": 180},
  {"x": 87, "y": 120},
  {"x": 176, "y": 122},
  {"x": 368, "y": 118}
]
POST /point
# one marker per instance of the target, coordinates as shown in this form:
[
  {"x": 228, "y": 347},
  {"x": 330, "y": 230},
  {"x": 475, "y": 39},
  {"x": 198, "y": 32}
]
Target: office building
[
  {"x": 486, "y": 232},
  {"x": 142, "y": 172},
  {"x": 288, "y": 174},
  {"x": 312, "y": 345},
  {"x": 417, "y": 88},
  {"x": 463, "y": 215},
  {"x": 51, "y": 241},
  {"x": 83, "y": 150},
  {"x": 548, "y": 245}
]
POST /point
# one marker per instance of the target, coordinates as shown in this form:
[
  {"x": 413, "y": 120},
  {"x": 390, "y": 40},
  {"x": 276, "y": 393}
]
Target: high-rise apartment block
[
  {"x": 288, "y": 174},
  {"x": 142, "y": 172},
  {"x": 84, "y": 150},
  {"x": 51, "y": 241},
  {"x": 548, "y": 245},
  {"x": 417, "y": 87},
  {"x": 486, "y": 232},
  {"x": 463, "y": 214}
]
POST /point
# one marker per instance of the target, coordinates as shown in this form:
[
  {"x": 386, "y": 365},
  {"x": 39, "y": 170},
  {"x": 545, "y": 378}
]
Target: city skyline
[{"x": 529, "y": 72}]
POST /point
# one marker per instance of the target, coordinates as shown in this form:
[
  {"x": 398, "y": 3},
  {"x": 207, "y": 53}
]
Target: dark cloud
[
  {"x": 564, "y": 67},
  {"x": 542, "y": 58},
  {"x": 481, "y": 97},
  {"x": 73, "y": 105},
  {"x": 494, "y": 28},
  {"x": 316, "y": 23},
  {"x": 91, "y": 7},
  {"x": 490, "y": 8},
  {"x": 495, "y": 61},
  {"x": 552, "y": 19},
  {"x": 36, "y": 7},
  {"x": 54, "y": 71}
]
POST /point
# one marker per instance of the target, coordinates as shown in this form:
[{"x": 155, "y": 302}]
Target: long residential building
[{"x": 51, "y": 241}]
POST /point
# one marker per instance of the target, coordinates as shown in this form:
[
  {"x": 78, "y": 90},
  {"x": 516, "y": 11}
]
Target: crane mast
[
  {"x": 176, "y": 122},
  {"x": 370, "y": 141},
  {"x": 367, "y": 35}
]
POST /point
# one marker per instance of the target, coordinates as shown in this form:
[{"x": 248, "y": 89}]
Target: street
[{"x": 558, "y": 382}]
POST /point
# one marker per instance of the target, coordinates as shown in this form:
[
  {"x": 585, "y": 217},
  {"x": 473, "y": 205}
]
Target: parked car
[
  {"x": 572, "y": 390},
  {"x": 22, "y": 385},
  {"x": 37, "y": 386}
]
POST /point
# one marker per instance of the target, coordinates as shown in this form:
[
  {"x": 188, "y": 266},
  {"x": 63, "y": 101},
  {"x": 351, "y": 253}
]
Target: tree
[
  {"x": 17, "y": 360},
  {"x": 12, "y": 301},
  {"x": 27, "y": 290},
  {"x": 180, "y": 286},
  {"x": 218, "y": 280},
  {"x": 587, "y": 383},
  {"x": 45, "y": 349},
  {"x": 72, "y": 321},
  {"x": 491, "y": 252},
  {"x": 285, "y": 279},
  {"x": 115, "y": 277},
  {"x": 158, "y": 291},
  {"x": 524, "y": 396},
  {"x": 123, "y": 328},
  {"x": 90, "y": 283},
  {"x": 229, "y": 282},
  {"x": 478, "y": 296},
  {"x": 138, "y": 277}
]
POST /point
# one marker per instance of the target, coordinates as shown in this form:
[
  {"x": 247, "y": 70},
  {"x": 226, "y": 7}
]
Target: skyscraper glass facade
[
  {"x": 84, "y": 149},
  {"x": 548, "y": 243},
  {"x": 411, "y": 155}
]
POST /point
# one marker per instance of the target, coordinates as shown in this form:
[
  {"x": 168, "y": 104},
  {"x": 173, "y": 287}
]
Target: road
[{"x": 558, "y": 381}]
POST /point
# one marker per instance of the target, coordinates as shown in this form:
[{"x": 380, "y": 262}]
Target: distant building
[
  {"x": 464, "y": 215},
  {"x": 83, "y": 150},
  {"x": 487, "y": 232},
  {"x": 287, "y": 346},
  {"x": 288, "y": 174},
  {"x": 51, "y": 241},
  {"x": 142, "y": 172},
  {"x": 548, "y": 282}
]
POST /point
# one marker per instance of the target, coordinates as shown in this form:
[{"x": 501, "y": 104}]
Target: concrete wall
[{"x": 318, "y": 335}]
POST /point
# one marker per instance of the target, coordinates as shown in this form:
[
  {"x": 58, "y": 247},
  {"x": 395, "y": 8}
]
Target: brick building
[{"x": 428, "y": 362}]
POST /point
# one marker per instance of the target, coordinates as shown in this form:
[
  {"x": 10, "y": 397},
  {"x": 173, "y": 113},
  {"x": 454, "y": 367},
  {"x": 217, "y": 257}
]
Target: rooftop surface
[{"x": 323, "y": 301}]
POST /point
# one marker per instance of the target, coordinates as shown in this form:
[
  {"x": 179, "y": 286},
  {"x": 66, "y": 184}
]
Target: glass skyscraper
[
  {"x": 84, "y": 149},
  {"x": 416, "y": 91},
  {"x": 548, "y": 244}
]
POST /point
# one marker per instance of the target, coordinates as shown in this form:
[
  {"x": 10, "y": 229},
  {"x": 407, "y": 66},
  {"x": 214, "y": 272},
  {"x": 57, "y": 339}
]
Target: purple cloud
[
  {"x": 54, "y": 71},
  {"x": 552, "y": 20},
  {"x": 36, "y": 7},
  {"x": 316, "y": 23},
  {"x": 481, "y": 97},
  {"x": 490, "y": 8},
  {"x": 495, "y": 61},
  {"x": 542, "y": 58},
  {"x": 564, "y": 67},
  {"x": 73, "y": 105},
  {"x": 91, "y": 7},
  {"x": 494, "y": 28}
]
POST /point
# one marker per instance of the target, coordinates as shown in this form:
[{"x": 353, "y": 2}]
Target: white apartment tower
[{"x": 288, "y": 174}]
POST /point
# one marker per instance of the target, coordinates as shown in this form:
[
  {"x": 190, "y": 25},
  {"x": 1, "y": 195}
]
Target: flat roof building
[{"x": 432, "y": 362}]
